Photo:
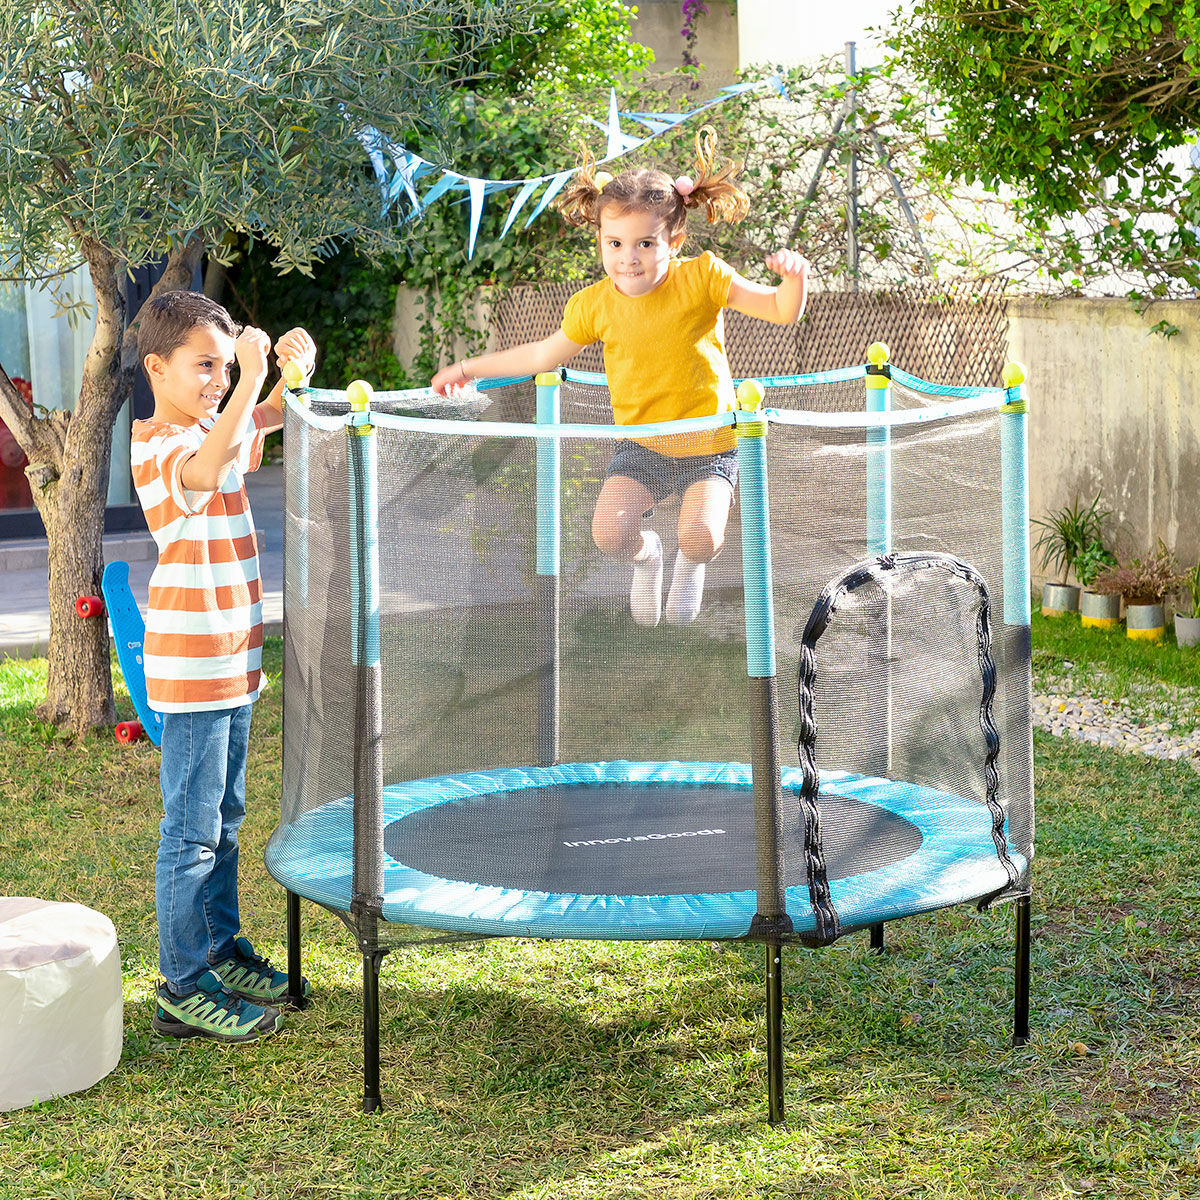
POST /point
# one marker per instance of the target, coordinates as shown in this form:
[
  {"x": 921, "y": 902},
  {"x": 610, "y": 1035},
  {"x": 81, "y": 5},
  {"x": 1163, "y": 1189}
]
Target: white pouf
[{"x": 60, "y": 999}]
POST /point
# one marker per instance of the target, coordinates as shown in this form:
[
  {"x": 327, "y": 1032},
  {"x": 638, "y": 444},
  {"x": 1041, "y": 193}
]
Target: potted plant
[
  {"x": 1065, "y": 536},
  {"x": 1187, "y": 628},
  {"x": 1143, "y": 584},
  {"x": 1097, "y": 610}
]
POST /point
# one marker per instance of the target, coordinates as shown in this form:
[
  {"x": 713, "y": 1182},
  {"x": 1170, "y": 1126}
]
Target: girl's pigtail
[
  {"x": 578, "y": 201},
  {"x": 714, "y": 185}
]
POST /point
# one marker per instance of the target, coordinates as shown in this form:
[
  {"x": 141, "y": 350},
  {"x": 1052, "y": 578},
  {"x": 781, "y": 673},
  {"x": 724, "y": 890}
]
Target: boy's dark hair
[{"x": 167, "y": 320}]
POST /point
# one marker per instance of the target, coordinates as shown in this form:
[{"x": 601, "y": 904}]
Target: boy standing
[{"x": 203, "y": 649}]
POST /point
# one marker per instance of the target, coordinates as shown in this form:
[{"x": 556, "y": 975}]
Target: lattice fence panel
[
  {"x": 528, "y": 314},
  {"x": 955, "y": 336}
]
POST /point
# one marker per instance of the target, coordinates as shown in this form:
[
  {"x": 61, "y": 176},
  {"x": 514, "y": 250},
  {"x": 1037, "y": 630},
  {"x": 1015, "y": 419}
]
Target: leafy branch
[{"x": 1075, "y": 106}]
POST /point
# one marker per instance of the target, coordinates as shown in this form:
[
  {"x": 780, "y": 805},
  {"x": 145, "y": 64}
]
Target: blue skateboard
[{"x": 129, "y": 632}]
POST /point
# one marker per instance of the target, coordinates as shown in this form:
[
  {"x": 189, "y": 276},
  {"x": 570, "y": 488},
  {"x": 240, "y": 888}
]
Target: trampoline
[
  {"x": 479, "y": 743},
  {"x": 640, "y": 851}
]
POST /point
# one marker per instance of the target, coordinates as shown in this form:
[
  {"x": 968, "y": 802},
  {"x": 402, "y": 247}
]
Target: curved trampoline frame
[
  {"x": 954, "y": 855},
  {"x": 764, "y": 775}
]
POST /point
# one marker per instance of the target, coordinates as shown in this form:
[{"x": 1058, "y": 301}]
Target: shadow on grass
[{"x": 609, "y": 1071}]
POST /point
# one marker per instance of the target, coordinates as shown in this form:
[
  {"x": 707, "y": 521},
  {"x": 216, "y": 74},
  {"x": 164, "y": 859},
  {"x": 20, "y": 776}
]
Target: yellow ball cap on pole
[
  {"x": 750, "y": 395},
  {"x": 359, "y": 395},
  {"x": 1013, "y": 374},
  {"x": 878, "y": 354}
]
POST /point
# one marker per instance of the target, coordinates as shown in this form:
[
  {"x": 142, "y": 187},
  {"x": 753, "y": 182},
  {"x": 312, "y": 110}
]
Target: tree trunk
[
  {"x": 71, "y": 503},
  {"x": 79, "y": 690},
  {"x": 69, "y": 459}
]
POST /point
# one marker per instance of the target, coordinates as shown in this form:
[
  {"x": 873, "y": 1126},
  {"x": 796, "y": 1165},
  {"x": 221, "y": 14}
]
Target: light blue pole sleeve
[
  {"x": 756, "y": 555},
  {"x": 549, "y": 482},
  {"x": 1014, "y": 469},
  {"x": 879, "y": 476},
  {"x": 364, "y": 555},
  {"x": 299, "y": 430}
]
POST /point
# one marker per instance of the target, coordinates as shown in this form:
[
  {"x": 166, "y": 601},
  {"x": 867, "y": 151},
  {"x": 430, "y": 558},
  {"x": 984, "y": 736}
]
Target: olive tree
[{"x": 151, "y": 130}]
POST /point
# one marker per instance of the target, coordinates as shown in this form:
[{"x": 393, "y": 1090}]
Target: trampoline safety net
[{"x": 479, "y": 740}]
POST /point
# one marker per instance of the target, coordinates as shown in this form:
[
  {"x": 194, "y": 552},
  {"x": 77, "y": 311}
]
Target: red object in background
[
  {"x": 11, "y": 455},
  {"x": 14, "y": 487},
  {"x": 89, "y": 606},
  {"x": 129, "y": 731}
]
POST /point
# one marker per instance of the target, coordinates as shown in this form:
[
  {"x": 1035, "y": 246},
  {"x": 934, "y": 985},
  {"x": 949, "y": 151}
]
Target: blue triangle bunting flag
[{"x": 408, "y": 167}]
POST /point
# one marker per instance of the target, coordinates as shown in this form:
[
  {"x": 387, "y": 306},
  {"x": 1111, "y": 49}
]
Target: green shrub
[{"x": 1071, "y": 534}]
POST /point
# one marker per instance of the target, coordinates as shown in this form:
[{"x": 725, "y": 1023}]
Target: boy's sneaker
[
  {"x": 251, "y": 977},
  {"x": 210, "y": 1011}
]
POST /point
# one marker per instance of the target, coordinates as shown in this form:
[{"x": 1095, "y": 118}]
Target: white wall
[
  {"x": 786, "y": 32},
  {"x": 658, "y": 25},
  {"x": 1115, "y": 409}
]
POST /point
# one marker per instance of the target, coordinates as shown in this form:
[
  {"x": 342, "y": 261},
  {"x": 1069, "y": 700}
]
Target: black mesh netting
[{"x": 474, "y": 678}]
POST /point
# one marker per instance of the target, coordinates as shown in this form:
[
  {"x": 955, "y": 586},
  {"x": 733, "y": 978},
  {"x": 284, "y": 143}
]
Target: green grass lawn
[
  {"x": 1161, "y": 681},
  {"x": 604, "y": 1071}
]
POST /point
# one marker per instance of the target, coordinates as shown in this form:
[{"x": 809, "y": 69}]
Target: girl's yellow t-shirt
[{"x": 664, "y": 352}]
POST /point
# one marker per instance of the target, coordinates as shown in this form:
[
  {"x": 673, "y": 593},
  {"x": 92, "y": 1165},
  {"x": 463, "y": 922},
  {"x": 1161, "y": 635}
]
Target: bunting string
[{"x": 403, "y": 173}]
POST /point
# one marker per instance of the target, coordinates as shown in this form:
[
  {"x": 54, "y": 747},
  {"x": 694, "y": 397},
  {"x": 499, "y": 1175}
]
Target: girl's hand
[
  {"x": 251, "y": 349},
  {"x": 297, "y": 346},
  {"x": 454, "y": 376},
  {"x": 788, "y": 263}
]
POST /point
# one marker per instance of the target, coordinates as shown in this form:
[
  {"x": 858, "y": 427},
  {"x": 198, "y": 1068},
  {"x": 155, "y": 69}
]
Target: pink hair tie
[{"x": 684, "y": 185}]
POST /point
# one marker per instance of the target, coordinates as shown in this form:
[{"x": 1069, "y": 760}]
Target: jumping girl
[{"x": 660, "y": 318}]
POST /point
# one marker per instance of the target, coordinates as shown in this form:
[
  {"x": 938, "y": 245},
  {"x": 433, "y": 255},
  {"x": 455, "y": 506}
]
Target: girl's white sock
[
  {"x": 687, "y": 590},
  {"x": 645, "y": 593}
]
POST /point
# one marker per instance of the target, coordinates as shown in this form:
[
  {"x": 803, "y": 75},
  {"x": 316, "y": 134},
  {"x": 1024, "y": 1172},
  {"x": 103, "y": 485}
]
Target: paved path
[{"x": 24, "y": 603}]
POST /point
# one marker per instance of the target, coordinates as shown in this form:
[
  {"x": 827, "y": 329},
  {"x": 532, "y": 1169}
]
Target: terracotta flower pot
[
  {"x": 1059, "y": 598},
  {"x": 1098, "y": 611},
  {"x": 1145, "y": 622}
]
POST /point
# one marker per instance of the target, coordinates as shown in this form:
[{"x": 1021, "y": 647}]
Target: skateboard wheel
[
  {"x": 129, "y": 731},
  {"x": 89, "y": 606}
]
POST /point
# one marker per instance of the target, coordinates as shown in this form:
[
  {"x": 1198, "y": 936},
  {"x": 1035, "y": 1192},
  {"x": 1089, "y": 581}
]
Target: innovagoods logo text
[{"x": 647, "y": 837}]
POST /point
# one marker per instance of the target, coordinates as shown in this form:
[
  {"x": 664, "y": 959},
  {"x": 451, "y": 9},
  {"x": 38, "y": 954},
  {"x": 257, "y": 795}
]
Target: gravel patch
[{"x": 1114, "y": 725}]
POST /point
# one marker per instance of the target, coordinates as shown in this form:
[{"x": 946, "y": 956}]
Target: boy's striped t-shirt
[{"x": 203, "y": 647}]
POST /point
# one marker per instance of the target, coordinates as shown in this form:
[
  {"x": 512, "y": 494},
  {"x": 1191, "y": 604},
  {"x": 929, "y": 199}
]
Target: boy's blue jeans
[{"x": 203, "y": 777}]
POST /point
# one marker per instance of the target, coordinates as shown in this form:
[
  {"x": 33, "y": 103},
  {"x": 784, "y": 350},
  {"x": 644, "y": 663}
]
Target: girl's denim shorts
[{"x": 661, "y": 474}]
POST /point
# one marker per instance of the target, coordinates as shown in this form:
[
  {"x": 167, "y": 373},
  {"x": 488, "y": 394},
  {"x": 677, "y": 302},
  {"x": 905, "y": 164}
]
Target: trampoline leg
[
  {"x": 295, "y": 997},
  {"x": 775, "y": 1106},
  {"x": 877, "y": 938},
  {"x": 372, "y": 1101},
  {"x": 1021, "y": 989}
]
